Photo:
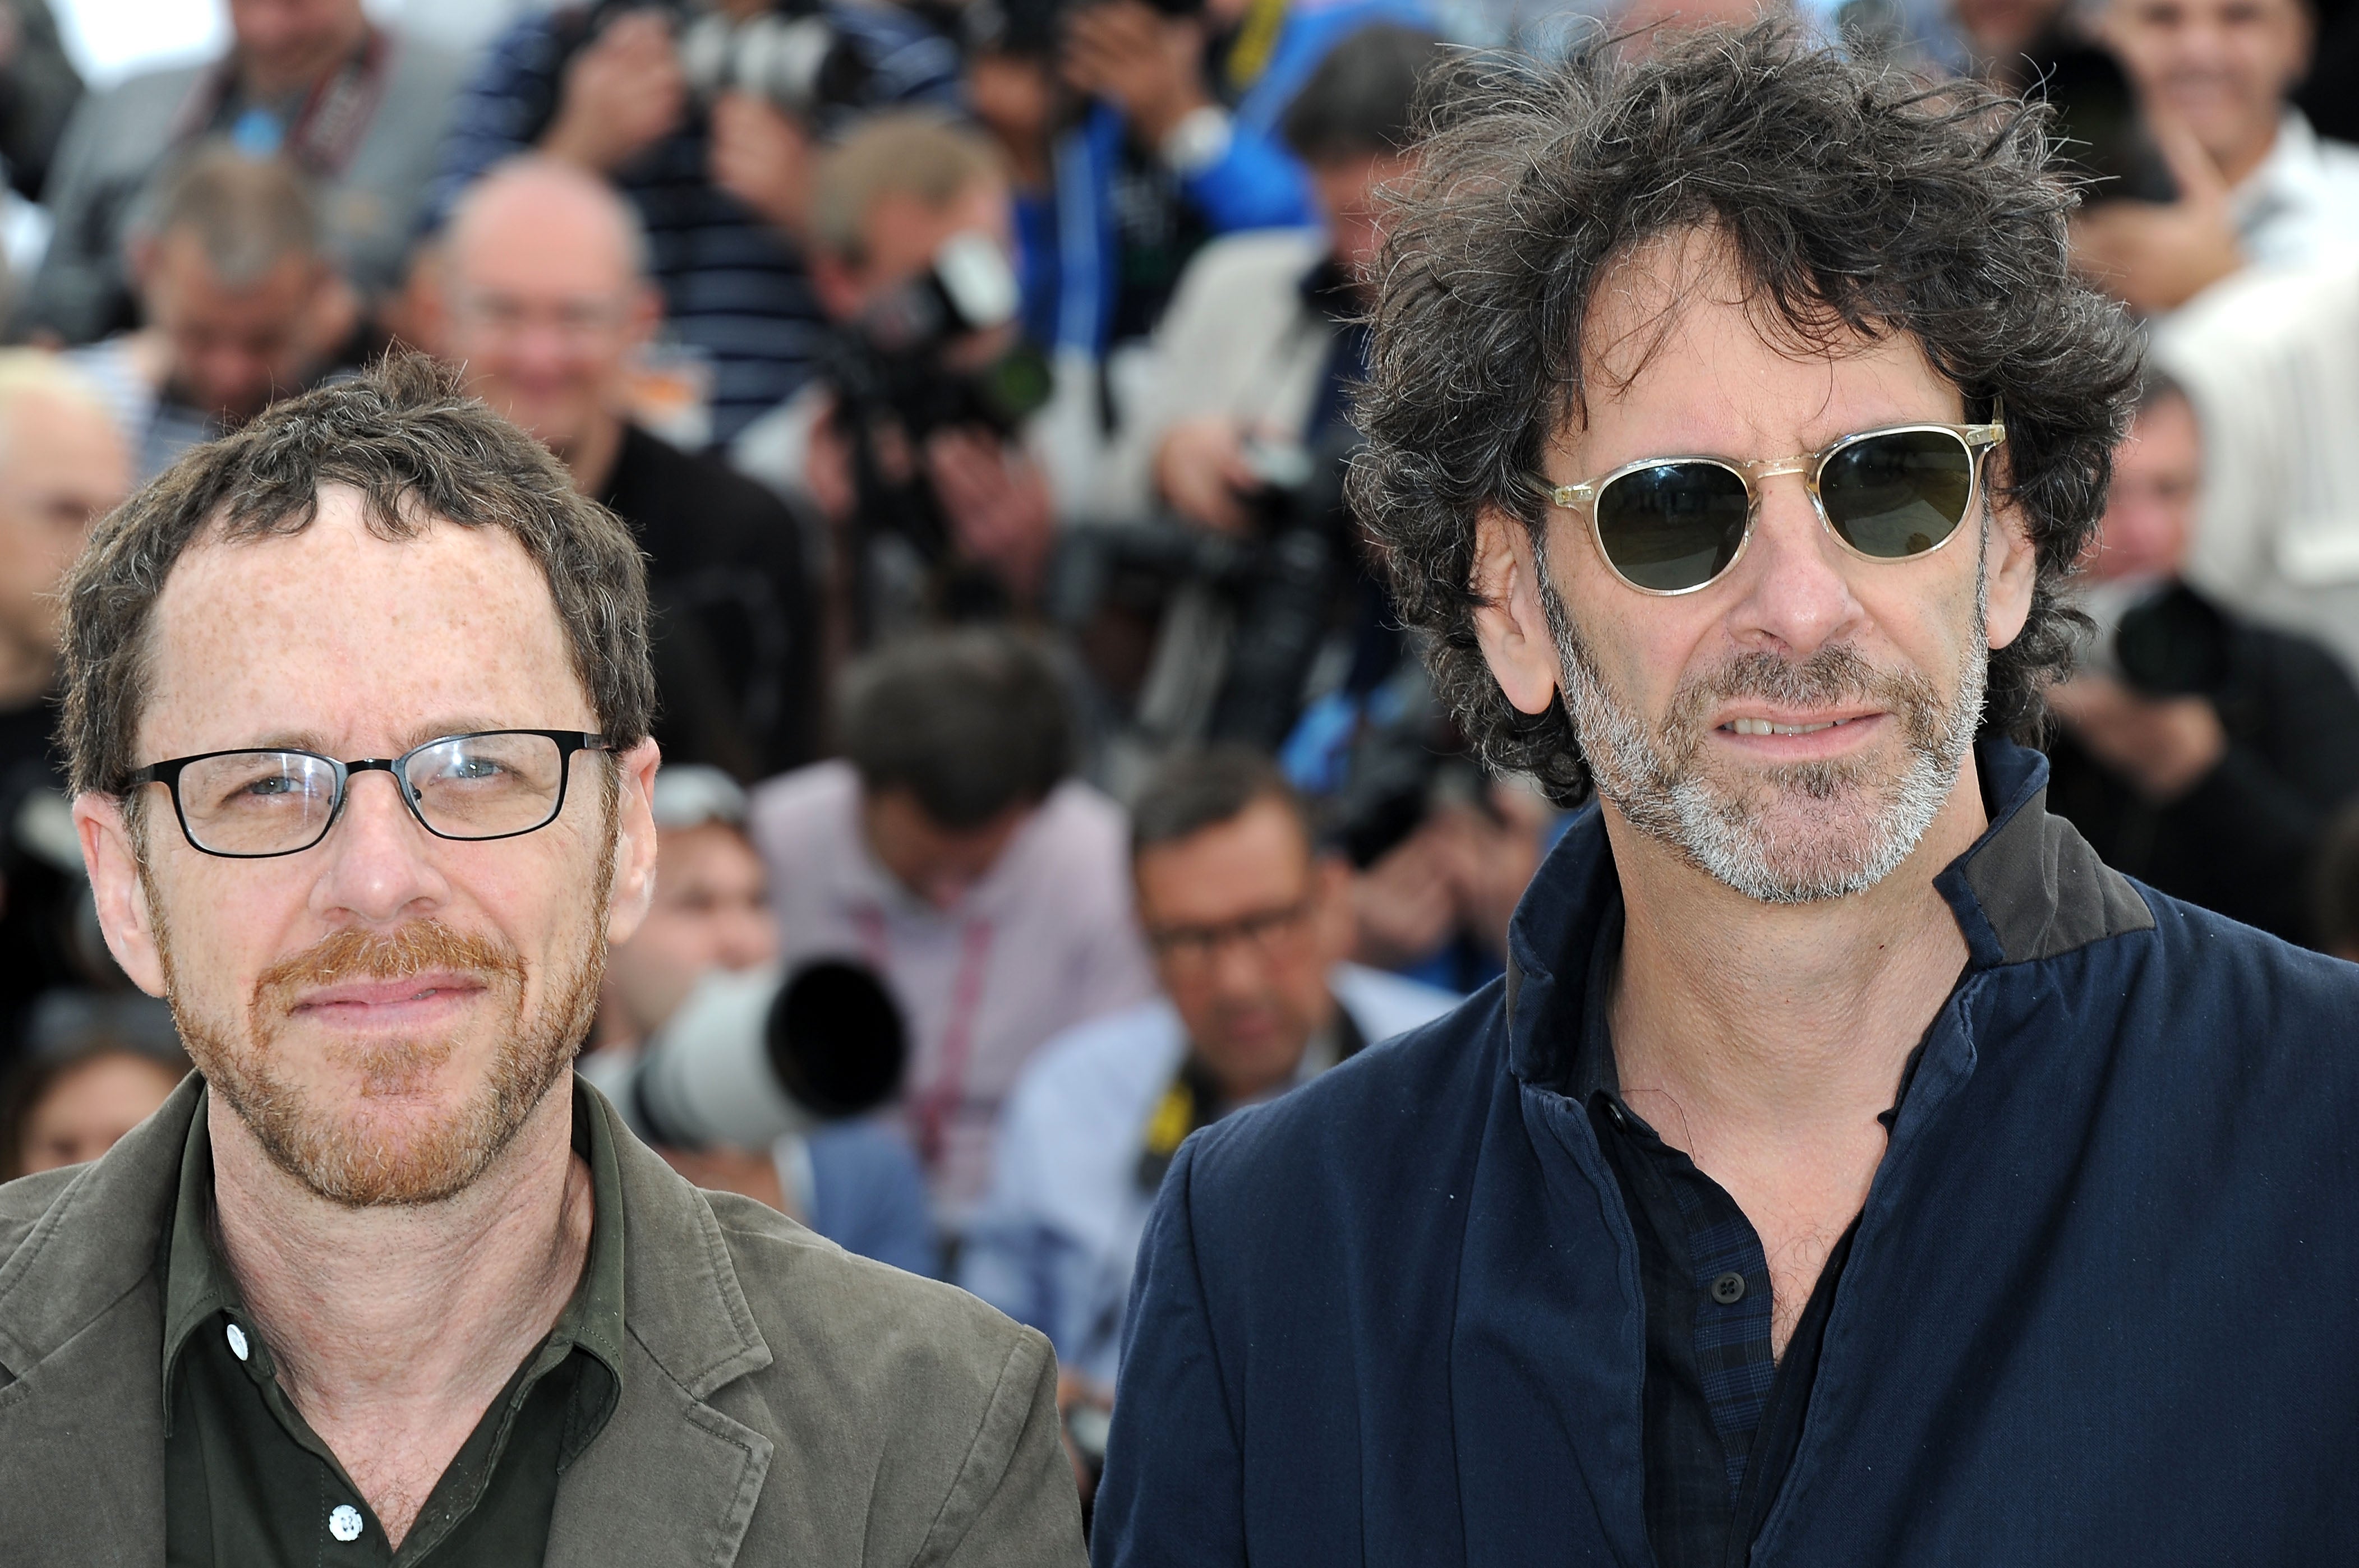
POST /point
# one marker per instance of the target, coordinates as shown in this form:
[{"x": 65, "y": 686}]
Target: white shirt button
[
  {"x": 345, "y": 1524},
  {"x": 237, "y": 1341}
]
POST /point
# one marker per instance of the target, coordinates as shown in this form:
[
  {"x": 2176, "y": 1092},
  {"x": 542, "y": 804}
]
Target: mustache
[
  {"x": 1833, "y": 675},
  {"x": 415, "y": 948}
]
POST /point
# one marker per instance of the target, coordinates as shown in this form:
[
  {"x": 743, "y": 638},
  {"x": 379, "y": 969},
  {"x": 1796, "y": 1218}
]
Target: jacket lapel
[
  {"x": 672, "y": 1480},
  {"x": 81, "y": 1412}
]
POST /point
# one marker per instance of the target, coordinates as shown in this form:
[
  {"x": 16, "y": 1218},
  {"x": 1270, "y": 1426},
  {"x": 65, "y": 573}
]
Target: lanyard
[{"x": 930, "y": 1112}]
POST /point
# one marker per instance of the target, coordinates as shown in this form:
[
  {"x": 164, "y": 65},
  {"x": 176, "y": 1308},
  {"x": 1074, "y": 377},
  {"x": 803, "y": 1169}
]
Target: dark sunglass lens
[
  {"x": 1673, "y": 525},
  {"x": 1898, "y": 494}
]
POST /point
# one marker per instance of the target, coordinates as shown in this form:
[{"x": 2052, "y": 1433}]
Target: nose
[
  {"x": 1795, "y": 596},
  {"x": 378, "y": 870}
]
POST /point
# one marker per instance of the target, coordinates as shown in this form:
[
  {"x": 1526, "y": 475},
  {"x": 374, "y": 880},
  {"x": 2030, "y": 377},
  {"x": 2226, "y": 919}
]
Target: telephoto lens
[{"x": 752, "y": 1056}]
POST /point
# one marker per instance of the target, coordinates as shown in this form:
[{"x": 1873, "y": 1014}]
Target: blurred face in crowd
[
  {"x": 236, "y": 346},
  {"x": 89, "y": 1106},
  {"x": 2150, "y": 510},
  {"x": 1246, "y": 922},
  {"x": 938, "y": 864},
  {"x": 1348, "y": 191},
  {"x": 382, "y": 1010},
  {"x": 898, "y": 239},
  {"x": 1016, "y": 98},
  {"x": 284, "y": 45},
  {"x": 1998, "y": 30},
  {"x": 545, "y": 303},
  {"x": 711, "y": 910},
  {"x": 62, "y": 468},
  {"x": 2223, "y": 67},
  {"x": 1794, "y": 725}
]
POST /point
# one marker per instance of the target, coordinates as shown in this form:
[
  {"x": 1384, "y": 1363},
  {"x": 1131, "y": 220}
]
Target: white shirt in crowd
[
  {"x": 1046, "y": 940},
  {"x": 2271, "y": 363},
  {"x": 2300, "y": 206}
]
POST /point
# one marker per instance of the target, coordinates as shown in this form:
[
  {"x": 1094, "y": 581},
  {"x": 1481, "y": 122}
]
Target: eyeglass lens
[
  {"x": 1674, "y": 526},
  {"x": 1899, "y": 494},
  {"x": 275, "y": 803}
]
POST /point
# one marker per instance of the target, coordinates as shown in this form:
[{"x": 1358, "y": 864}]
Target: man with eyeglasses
[
  {"x": 1850, "y": 1168},
  {"x": 1250, "y": 924},
  {"x": 357, "y": 705}
]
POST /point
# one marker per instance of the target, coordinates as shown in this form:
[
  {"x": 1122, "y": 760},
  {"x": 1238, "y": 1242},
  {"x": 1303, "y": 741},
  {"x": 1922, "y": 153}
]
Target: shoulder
[
  {"x": 811, "y": 804},
  {"x": 2260, "y": 313},
  {"x": 1385, "y": 1003},
  {"x": 1080, "y": 827},
  {"x": 136, "y": 112},
  {"x": 926, "y": 1362},
  {"x": 22, "y": 1202},
  {"x": 419, "y": 65},
  {"x": 1264, "y": 262},
  {"x": 1097, "y": 1070}
]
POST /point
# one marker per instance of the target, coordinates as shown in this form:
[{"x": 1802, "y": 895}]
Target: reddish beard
[{"x": 350, "y": 1153}]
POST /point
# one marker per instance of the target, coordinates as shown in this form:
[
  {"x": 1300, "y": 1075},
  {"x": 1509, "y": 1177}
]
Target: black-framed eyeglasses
[
  {"x": 1673, "y": 525},
  {"x": 1193, "y": 946},
  {"x": 252, "y": 804}
]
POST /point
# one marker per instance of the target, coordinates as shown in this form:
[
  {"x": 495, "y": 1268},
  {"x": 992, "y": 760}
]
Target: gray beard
[{"x": 1794, "y": 835}]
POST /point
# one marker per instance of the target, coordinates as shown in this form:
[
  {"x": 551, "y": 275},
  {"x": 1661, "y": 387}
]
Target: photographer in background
[
  {"x": 2200, "y": 752},
  {"x": 1250, "y": 926},
  {"x": 242, "y": 300},
  {"x": 707, "y": 117},
  {"x": 851, "y": 1182},
  {"x": 357, "y": 108},
  {"x": 62, "y": 468},
  {"x": 950, "y": 852},
  {"x": 542, "y": 298},
  {"x": 910, "y": 441}
]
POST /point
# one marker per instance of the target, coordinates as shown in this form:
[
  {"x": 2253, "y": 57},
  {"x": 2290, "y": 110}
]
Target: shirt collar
[{"x": 198, "y": 1283}]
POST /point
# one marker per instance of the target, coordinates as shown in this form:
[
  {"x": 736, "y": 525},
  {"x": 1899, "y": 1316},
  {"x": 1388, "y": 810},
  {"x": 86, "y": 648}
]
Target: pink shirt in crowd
[{"x": 1046, "y": 940}]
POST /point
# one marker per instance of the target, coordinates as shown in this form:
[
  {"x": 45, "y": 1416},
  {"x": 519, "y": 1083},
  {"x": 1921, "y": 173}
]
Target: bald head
[
  {"x": 545, "y": 292},
  {"x": 62, "y": 466}
]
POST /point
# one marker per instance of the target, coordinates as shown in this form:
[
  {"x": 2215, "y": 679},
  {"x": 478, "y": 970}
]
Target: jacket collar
[
  {"x": 2029, "y": 889},
  {"x": 90, "y": 1431}
]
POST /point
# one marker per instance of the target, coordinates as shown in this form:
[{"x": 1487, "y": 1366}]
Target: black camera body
[{"x": 2176, "y": 644}]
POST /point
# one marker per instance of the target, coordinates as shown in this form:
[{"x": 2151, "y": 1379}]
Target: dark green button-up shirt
[{"x": 248, "y": 1483}]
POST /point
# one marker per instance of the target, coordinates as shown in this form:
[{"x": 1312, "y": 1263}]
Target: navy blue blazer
[{"x": 2102, "y": 1306}]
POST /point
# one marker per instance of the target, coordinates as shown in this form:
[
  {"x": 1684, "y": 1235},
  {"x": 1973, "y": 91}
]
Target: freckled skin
[{"x": 267, "y": 642}]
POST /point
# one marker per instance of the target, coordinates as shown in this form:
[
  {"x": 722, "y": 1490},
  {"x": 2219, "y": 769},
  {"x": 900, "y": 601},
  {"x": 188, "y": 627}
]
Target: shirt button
[
  {"x": 1729, "y": 1288},
  {"x": 345, "y": 1524},
  {"x": 237, "y": 1341}
]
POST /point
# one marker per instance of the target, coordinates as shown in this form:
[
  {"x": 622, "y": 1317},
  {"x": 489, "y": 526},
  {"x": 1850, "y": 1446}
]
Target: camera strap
[
  {"x": 335, "y": 115},
  {"x": 930, "y": 1112}
]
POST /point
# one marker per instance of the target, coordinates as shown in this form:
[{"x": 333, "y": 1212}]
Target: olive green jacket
[{"x": 783, "y": 1402}]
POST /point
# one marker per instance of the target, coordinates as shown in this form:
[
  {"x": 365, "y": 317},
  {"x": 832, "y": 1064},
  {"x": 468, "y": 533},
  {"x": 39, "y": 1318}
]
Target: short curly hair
[
  {"x": 407, "y": 437},
  {"x": 1852, "y": 196}
]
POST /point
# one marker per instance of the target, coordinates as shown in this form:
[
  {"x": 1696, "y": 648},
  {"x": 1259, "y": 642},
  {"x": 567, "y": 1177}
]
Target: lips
[{"x": 362, "y": 999}]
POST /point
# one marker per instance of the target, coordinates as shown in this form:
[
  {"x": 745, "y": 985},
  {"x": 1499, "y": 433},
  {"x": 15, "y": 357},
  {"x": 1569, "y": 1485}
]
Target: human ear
[
  {"x": 1509, "y": 623},
  {"x": 2012, "y": 564},
  {"x": 634, "y": 843},
  {"x": 108, "y": 856}
]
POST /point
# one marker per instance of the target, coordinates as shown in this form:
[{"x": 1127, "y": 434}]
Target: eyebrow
[{"x": 417, "y": 736}]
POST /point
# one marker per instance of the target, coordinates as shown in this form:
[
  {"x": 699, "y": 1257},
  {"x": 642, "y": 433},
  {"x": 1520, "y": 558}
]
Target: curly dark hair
[
  {"x": 1853, "y": 198},
  {"x": 405, "y": 434}
]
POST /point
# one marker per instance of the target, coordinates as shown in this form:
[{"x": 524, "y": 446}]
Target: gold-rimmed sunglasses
[{"x": 1673, "y": 525}]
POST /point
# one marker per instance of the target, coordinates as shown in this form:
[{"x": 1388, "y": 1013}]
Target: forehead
[
  {"x": 1676, "y": 340},
  {"x": 1253, "y": 859},
  {"x": 901, "y": 232},
  {"x": 541, "y": 236},
  {"x": 337, "y": 639}
]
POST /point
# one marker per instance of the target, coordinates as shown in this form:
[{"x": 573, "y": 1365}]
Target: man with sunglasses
[
  {"x": 357, "y": 705},
  {"x": 1851, "y": 1168}
]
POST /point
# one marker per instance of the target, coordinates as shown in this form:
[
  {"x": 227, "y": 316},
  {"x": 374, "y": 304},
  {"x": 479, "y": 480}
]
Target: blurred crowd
[{"x": 977, "y": 375}]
